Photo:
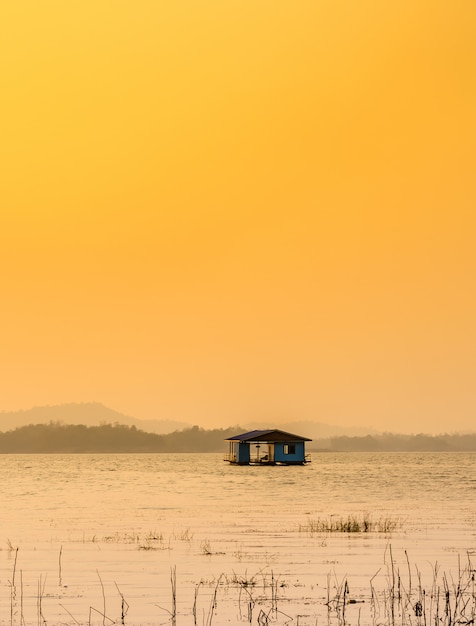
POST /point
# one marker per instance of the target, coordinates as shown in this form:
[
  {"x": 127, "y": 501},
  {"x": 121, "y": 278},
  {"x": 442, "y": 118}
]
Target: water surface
[{"x": 91, "y": 527}]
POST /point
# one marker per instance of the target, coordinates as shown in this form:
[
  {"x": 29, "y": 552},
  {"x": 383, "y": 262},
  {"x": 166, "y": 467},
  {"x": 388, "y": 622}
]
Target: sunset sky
[{"x": 234, "y": 211}]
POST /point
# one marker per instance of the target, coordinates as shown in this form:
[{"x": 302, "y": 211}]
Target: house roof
[{"x": 268, "y": 436}]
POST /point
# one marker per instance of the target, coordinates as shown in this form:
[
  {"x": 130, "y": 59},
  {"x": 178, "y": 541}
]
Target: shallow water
[{"x": 77, "y": 531}]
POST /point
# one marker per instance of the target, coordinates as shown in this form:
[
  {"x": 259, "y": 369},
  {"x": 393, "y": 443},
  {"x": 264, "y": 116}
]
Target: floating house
[{"x": 267, "y": 447}]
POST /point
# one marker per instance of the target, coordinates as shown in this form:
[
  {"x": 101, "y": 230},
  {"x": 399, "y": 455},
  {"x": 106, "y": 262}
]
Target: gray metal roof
[{"x": 267, "y": 435}]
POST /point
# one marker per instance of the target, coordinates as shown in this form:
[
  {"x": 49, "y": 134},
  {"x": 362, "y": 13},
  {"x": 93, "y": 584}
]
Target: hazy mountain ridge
[
  {"x": 87, "y": 413},
  {"x": 314, "y": 430},
  {"x": 95, "y": 413},
  {"x": 324, "y": 436}
]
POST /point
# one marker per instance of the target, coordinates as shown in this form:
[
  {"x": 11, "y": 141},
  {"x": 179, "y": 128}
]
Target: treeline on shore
[
  {"x": 66, "y": 438},
  {"x": 56, "y": 437},
  {"x": 389, "y": 442}
]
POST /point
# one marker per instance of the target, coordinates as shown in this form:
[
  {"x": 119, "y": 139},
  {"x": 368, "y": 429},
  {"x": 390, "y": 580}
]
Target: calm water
[{"x": 86, "y": 528}]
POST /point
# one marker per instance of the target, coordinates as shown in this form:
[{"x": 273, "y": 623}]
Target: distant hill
[
  {"x": 315, "y": 430},
  {"x": 95, "y": 414},
  {"x": 87, "y": 413}
]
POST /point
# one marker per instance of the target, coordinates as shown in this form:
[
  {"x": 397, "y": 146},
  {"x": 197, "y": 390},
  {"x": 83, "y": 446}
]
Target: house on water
[{"x": 267, "y": 447}]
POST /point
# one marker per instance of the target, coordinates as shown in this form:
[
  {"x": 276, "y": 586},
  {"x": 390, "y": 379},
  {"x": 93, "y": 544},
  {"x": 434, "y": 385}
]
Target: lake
[{"x": 189, "y": 539}]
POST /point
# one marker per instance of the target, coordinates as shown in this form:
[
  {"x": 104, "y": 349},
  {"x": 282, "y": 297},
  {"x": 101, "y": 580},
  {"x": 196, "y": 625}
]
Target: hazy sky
[{"x": 221, "y": 211}]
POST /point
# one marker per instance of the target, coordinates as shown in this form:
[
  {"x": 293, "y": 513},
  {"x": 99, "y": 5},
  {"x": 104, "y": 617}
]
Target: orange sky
[{"x": 242, "y": 210}]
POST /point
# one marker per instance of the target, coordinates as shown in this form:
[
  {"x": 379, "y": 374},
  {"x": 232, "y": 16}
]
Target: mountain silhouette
[{"x": 87, "y": 413}]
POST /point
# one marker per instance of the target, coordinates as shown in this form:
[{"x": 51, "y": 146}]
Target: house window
[{"x": 289, "y": 448}]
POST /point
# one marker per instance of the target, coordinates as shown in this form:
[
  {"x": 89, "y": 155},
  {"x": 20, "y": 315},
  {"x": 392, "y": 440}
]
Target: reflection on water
[{"x": 133, "y": 517}]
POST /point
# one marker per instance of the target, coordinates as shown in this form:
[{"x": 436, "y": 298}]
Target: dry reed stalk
[
  {"x": 374, "y": 603},
  {"x": 13, "y": 589},
  {"x": 124, "y": 605},
  {"x": 22, "y": 619},
  {"x": 103, "y": 599},
  {"x": 213, "y": 603},
  {"x": 70, "y": 614},
  {"x": 39, "y": 601},
  {"x": 338, "y": 602},
  {"x": 173, "y": 582},
  {"x": 409, "y": 574},
  {"x": 194, "y": 609},
  {"x": 274, "y": 594},
  {"x": 60, "y": 583},
  {"x": 104, "y": 617}
]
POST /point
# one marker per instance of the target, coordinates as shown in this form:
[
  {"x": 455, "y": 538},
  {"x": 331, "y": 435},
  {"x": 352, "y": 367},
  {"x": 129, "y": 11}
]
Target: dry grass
[
  {"x": 350, "y": 524},
  {"x": 400, "y": 597}
]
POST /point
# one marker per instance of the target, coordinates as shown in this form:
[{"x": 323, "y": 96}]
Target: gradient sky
[{"x": 224, "y": 211}]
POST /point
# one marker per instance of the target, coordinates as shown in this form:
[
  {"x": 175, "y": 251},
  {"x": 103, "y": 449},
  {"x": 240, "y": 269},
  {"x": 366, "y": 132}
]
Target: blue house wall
[
  {"x": 283, "y": 452},
  {"x": 243, "y": 452}
]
